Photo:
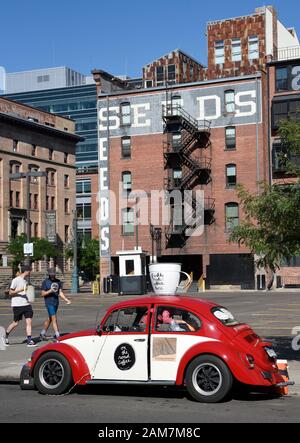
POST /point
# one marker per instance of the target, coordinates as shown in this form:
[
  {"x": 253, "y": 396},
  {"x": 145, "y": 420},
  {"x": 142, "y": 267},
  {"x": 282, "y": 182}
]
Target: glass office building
[{"x": 78, "y": 103}]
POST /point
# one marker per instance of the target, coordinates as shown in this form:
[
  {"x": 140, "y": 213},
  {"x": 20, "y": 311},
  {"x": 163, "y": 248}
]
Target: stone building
[{"x": 32, "y": 140}]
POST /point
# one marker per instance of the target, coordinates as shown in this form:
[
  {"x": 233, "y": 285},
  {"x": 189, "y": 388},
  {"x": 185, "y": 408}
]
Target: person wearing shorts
[
  {"x": 21, "y": 306},
  {"x": 52, "y": 291}
]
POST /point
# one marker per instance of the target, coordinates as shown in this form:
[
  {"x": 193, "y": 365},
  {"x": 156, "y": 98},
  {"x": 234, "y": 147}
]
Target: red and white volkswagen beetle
[{"x": 173, "y": 340}]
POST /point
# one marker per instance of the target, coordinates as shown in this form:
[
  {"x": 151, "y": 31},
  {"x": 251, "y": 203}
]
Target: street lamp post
[{"x": 75, "y": 285}]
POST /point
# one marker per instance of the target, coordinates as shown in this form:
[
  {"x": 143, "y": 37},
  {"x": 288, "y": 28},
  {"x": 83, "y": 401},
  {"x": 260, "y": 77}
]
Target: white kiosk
[{"x": 132, "y": 270}]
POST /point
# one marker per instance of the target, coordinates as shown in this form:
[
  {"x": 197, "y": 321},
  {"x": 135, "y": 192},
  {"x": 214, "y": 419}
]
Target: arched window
[
  {"x": 230, "y": 101},
  {"x": 230, "y": 176},
  {"x": 127, "y": 182},
  {"x": 33, "y": 168},
  {"x": 14, "y": 167},
  {"x": 126, "y": 147},
  {"x": 231, "y": 215},
  {"x": 125, "y": 111},
  {"x": 128, "y": 221},
  {"x": 51, "y": 176}
]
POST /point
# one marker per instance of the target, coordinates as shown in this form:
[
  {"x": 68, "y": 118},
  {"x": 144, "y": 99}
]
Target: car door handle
[{"x": 140, "y": 340}]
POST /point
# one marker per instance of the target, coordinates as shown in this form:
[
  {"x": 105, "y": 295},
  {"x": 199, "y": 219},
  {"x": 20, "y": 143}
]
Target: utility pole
[{"x": 75, "y": 285}]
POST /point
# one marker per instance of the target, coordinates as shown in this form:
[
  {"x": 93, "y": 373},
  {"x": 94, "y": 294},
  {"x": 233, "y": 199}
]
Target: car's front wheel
[
  {"x": 208, "y": 379},
  {"x": 52, "y": 374}
]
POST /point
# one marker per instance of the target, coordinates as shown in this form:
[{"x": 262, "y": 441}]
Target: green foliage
[
  {"x": 41, "y": 248},
  {"x": 88, "y": 256},
  {"x": 271, "y": 227}
]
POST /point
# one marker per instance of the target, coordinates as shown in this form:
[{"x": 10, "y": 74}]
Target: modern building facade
[
  {"x": 35, "y": 141},
  {"x": 40, "y": 79}
]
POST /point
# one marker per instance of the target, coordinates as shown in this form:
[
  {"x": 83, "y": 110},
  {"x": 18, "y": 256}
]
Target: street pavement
[{"x": 273, "y": 315}]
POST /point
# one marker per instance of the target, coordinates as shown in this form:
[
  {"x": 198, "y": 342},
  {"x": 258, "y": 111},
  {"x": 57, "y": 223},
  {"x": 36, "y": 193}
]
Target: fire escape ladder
[{"x": 195, "y": 170}]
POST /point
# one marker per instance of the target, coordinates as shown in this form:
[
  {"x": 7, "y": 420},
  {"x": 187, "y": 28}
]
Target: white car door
[
  {"x": 171, "y": 337},
  {"x": 124, "y": 346}
]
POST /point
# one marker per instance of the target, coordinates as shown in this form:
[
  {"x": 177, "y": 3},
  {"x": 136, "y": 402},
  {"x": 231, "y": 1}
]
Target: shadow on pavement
[{"x": 239, "y": 393}]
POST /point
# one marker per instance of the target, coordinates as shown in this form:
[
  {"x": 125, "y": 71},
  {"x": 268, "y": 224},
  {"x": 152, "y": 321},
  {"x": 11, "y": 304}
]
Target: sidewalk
[{"x": 16, "y": 355}]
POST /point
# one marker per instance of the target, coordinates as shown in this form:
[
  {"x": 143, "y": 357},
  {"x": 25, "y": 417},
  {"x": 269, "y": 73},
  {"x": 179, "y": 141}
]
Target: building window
[
  {"x": 33, "y": 150},
  {"x": 66, "y": 181},
  {"x": 52, "y": 203},
  {"x": 282, "y": 79},
  {"x": 177, "y": 177},
  {"x": 33, "y": 169},
  {"x": 51, "y": 178},
  {"x": 17, "y": 199},
  {"x": 84, "y": 211},
  {"x": 171, "y": 74},
  {"x": 230, "y": 176},
  {"x": 219, "y": 52},
  {"x": 36, "y": 202},
  {"x": 67, "y": 206},
  {"x": 231, "y": 215},
  {"x": 43, "y": 78},
  {"x": 15, "y": 145},
  {"x": 229, "y": 101},
  {"x": 125, "y": 114},
  {"x": 66, "y": 234},
  {"x": 36, "y": 230},
  {"x": 149, "y": 83},
  {"x": 47, "y": 203},
  {"x": 11, "y": 199},
  {"x": 176, "y": 140},
  {"x": 160, "y": 76},
  {"x": 128, "y": 221},
  {"x": 84, "y": 234},
  {"x": 230, "y": 137},
  {"x": 66, "y": 157},
  {"x": 236, "y": 50},
  {"x": 127, "y": 182},
  {"x": 126, "y": 147},
  {"x": 51, "y": 154},
  {"x": 253, "y": 47},
  {"x": 83, "y": 187},
  {"x": 279, "y": 113}
]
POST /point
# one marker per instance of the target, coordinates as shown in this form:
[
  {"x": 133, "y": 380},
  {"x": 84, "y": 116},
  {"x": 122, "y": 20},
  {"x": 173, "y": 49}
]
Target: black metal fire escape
[{"x": 186, "y": 136}]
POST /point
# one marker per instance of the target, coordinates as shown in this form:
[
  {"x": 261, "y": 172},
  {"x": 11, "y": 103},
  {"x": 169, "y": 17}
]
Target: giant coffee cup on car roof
[{"x": 165, "y": 278}]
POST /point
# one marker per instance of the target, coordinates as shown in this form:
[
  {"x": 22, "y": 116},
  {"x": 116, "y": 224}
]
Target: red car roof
[{"x": 183, "y": 301}]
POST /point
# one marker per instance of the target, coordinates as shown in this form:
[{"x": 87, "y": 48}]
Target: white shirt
[{"x": 19, "y": 284}]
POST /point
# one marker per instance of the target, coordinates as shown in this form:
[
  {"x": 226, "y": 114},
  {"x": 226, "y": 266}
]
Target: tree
[
  {"x": 41, "y": 248},
  {"x": 271, "y": 227},
  {"x": 88, "y": 256}
]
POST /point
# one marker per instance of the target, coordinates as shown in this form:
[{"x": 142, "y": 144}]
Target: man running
[
  {"x": 51, "y": 291},
  {"x": 21, "y": 306}
]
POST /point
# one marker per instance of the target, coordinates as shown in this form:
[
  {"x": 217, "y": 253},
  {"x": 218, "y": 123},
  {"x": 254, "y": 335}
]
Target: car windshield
[{"x": 224, "y": 316}]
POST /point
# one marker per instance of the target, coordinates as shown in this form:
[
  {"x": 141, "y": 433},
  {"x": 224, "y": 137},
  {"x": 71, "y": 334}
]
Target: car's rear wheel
[
  {"x": 208, "y": 379},
  {"x": 52, "y": 374}
]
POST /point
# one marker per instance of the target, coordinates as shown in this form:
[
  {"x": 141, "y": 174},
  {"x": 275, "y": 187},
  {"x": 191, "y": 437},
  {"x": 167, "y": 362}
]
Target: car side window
[
  {"x": 170, "y": 319},
  {"x": 131, "y": 319}
]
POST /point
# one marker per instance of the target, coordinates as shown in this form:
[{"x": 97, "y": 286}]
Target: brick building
[
  {"x": 284, "y": 103},
  {"x": 206, "y": 136},
  {"x": 33, "y": 140},
  {"x": 191, "y": 128}
]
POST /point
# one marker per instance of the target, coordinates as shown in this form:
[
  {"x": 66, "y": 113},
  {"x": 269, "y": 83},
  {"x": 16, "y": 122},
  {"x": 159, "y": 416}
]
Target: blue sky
[{"x": 117, "y": 36}]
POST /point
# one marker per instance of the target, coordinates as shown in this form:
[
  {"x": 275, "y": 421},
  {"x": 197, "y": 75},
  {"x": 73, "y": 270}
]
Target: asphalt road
[
  {"x": 116, "y": 404},
  {"x": 271, "y": 315}
]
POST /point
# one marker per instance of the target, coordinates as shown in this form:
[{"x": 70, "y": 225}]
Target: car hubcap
[
  {"x": 207, "y": 379},
  {"x": 51, "y": 374}
]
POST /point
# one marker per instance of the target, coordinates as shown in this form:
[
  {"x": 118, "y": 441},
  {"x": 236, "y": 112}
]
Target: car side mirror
[{"x": 99, "y": 330}]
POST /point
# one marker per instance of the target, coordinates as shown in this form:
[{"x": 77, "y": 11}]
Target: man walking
[
  {"x": 21, "y": 306},
  {"x": 51, "y": 291}
]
